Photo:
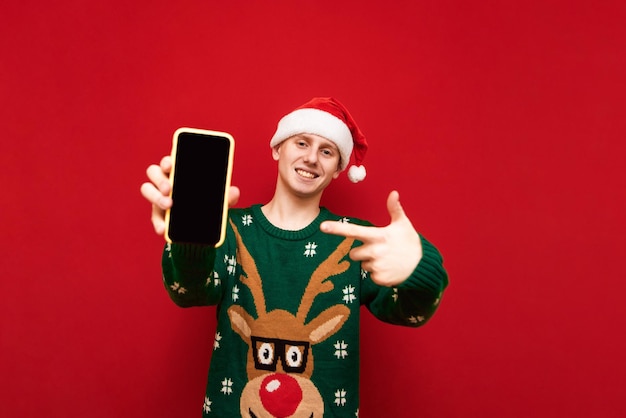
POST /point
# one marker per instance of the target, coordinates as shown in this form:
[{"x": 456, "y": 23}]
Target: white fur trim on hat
[{"x": 316, "y": 122}]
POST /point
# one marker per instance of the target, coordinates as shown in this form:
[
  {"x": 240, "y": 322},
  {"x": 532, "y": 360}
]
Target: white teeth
[{"x": 306, "y": 174}]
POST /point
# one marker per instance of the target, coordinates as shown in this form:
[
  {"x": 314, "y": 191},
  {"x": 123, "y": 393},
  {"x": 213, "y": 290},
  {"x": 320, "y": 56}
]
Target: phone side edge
[
  {"x": 229, "y": 173},
  {"x": 171, "y": 180}
]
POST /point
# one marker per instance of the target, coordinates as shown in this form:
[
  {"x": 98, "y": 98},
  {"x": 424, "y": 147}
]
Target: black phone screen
[{"x": 200, "y": 178}]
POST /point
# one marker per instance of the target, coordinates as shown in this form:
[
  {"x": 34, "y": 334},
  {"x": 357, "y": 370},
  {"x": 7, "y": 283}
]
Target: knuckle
[{"x": 377, "y": 251}]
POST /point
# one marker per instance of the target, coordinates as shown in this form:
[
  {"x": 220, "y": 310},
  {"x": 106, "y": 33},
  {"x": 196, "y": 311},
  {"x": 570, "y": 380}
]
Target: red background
[{"x": 501, "y": 124}]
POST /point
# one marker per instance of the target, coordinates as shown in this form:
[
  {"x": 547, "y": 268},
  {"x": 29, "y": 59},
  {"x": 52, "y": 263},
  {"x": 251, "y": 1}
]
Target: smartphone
[{"x": 202, "y": 164}]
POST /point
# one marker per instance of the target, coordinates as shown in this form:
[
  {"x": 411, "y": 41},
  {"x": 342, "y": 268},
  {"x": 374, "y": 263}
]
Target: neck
[{"x": 289, "y": 212}]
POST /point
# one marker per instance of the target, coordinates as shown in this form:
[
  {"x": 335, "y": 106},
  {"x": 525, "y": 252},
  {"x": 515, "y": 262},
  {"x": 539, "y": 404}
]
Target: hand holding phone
[{"x": 200, "y": 177}]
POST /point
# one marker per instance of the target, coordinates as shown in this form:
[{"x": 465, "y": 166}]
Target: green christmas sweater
[{"x": 287, "y": 337}]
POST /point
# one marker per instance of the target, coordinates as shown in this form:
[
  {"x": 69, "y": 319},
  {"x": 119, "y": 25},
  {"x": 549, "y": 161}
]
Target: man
[{"x": 290, "y": 277}]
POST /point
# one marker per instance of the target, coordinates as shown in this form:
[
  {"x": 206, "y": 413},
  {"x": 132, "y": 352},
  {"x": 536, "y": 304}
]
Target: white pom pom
[{"x": 356, "y": 173}]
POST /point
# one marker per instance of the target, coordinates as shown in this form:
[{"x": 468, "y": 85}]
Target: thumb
[
  {"x": 394, "y": 207},
  {"x": 233, "y": 195}
]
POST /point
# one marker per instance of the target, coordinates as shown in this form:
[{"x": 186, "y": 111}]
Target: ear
[
  {"x": 239, "y": 320},
  {"x": 327, "y": 323},
  {"x": 276, "y": 152}
]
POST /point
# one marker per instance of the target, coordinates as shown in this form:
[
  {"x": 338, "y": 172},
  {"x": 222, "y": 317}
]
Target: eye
[
  {"x": 266, "y": 354},
  {"x": 294, "y": 356}
]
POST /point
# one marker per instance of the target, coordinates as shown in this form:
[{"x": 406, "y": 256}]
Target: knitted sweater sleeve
[
  {"x": 188, "y": 274},
  {"x": 416, "y": 299}
]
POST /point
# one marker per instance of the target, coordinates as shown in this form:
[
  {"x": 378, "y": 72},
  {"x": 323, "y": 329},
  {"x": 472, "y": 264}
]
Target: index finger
[
  {"x": 166, "y": 164},
  {"x": 159, "y": 179},
  {"x": 359, "y": 232}
]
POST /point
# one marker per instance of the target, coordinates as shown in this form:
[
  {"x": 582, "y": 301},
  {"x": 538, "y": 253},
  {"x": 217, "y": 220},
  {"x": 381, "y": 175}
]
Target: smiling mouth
[{"x": 306, "y": 174}]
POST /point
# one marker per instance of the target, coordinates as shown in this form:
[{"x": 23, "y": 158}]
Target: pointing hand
[{"x": 390, "y": 253}]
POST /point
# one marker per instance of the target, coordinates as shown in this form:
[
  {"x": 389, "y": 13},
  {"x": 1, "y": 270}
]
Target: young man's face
[{"x": 307, "y": 163}]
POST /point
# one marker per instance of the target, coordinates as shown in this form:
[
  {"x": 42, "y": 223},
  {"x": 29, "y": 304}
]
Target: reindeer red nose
[{"x": 280, "y": 394}]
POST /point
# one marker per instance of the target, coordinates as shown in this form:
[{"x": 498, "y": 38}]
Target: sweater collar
[{"x": 309, "y": 230}]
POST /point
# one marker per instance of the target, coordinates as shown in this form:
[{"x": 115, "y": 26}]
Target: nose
[
  {"x": 280, "y": 395},
  {"x": 311, "y": 155}
]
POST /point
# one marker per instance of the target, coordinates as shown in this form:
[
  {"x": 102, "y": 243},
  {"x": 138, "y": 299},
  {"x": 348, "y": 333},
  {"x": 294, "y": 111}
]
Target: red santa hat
[{"x": 326, "y": 117}]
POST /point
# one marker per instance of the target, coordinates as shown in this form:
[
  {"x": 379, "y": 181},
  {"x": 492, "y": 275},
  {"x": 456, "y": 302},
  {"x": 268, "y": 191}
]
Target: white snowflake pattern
[
  {"x": 215, "y": 279},
  {"x": 341, "y": 349},
  {"x": 176, "y": 287},
  {"x": 207, "y": 405},
  {"x": 309, "y": 249},
  {"x": 235, "y": 293},
  {"x": 168, "y": 248},
  {"x": 363, "y": 274},
  {"x": 231, "y": 264},
  {"x": 340, "y": 397},
  {"x": 348, "y": 294},
  {"x": 216, "y": 341},
  {"x": 246, "y": 220},
  {"x": 344, "y": 220},
  {"x": 416, "y": 319},
  {"x": 395, "y": 294},
  {"x": 227, "y": 386}
]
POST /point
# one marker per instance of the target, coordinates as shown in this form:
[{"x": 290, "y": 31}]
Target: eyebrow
[{"x": 326, "y": 142}]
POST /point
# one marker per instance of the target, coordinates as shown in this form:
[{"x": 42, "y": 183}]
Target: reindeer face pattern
[{"x": 280, "y": 359}]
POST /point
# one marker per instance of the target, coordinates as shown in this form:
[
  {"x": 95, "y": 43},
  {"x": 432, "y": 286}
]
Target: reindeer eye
[
  {"x": 266, "y": 354},
  {"x": 294, "y": 356}
]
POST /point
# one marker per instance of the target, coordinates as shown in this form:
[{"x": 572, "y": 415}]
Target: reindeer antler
[
  {"x": 251, "y": 277},
  {"x": 319, "y": 283}
]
